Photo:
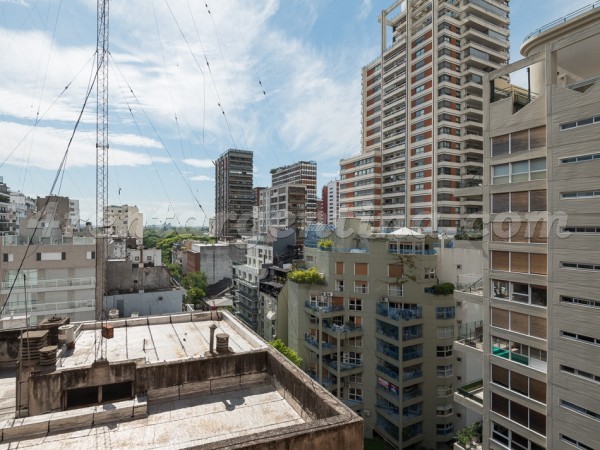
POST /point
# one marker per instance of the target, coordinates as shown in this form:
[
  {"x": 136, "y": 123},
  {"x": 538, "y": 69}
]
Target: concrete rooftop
[
  {"x": 154, "y": 339},
  {"x": 182, "y": 424}
]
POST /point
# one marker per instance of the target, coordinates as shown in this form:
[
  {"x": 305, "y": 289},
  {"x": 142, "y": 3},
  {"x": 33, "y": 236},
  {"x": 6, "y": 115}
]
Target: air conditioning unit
[
  {"x": 367, "y": 412},
  {"x": 329, "y": 294},
  {"x": 385, "y": 299}
]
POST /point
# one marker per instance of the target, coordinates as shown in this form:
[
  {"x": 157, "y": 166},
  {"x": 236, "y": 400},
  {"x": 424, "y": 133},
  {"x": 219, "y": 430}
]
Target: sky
[{"x": 187, "y": 81}]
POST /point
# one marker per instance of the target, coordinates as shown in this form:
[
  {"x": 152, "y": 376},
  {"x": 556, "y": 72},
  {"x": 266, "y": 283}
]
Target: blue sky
[{"x": 307, "y": 54}]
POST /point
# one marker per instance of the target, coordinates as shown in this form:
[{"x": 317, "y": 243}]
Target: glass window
[
  {"x": 519, "y": 171},
  {"x": 500, "y": 174}
]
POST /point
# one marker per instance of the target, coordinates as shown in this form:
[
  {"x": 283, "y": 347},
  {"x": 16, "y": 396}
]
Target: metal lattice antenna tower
[{"x": 101, "y": 165}]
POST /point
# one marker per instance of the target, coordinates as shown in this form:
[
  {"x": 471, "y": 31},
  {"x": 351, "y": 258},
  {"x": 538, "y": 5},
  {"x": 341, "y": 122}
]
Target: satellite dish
[{"x": 263, "y": 273}]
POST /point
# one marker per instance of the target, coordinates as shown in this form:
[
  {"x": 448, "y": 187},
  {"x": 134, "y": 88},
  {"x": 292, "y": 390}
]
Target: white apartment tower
[{"x": 422, "y": 115}]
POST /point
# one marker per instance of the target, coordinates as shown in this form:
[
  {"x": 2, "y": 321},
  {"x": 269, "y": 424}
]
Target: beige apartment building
[
  {"x": 541, "y": 334},
  {"x": 422, "y": 119},
  {"x": 125, "y": 221},
  {"x": 375, "y": 335}
]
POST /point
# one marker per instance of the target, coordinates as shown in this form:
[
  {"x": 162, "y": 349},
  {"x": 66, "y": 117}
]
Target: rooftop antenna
[{"x": 101, "y": 168}]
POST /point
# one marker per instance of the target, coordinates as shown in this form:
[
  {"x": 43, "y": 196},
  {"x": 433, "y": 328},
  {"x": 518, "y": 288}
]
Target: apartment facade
[
  {"x": 283, "y": 207},
  {"x": 56, "y": 278},
  {"x": 541, "y": 342},
  {"x": 375, "y": 336},
  {"x": 234, "y": 197},
  {"x": 124, "y": 221},
  {"x": 300, "y": 173},
  {"x": 422, "y": 115}
]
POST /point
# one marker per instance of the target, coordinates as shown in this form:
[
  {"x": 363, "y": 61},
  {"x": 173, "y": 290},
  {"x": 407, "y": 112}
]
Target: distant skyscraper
[
  {"x": 301, "y": 172},
  {"x": 422, "y": 120},
  {"x": 331, "y": 202},
  {"x": 234, "y": 197}
]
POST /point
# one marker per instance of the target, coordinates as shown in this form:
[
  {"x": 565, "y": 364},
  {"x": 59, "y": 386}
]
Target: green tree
[
  {"x": 174, "y": 270},
  {"x": 194, "y": 295},
  {"x": 286, "y": 351},
  {"x": 195, "y": 280}
]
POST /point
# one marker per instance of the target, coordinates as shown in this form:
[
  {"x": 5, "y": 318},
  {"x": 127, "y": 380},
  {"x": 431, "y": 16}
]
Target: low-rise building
[{"x": 196, "y": 380}]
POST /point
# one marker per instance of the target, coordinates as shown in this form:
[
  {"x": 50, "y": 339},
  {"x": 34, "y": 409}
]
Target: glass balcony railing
[
  {"x": 384, "y": 309},
  {"x": 323, "y": 308},
  {"x": 343, "y": 366}
]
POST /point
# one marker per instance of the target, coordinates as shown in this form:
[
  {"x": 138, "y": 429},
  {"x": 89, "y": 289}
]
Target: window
[
  {"x": 579, "y": 194},
  {"x": 339, "y": 285},
  {"x": 579, "y": 123},
  {"x": 355, "y": 304},
  {"x": 443, "y": 390},
  {"x": 361, "y": 269},
  {"x": 520, "y": 353},
  {"x": 579, "y": 266},
  {"x": 519, "y": 141},
  {"x": 580, "y": 373},
  {"x": 445, "y": 312},
  {"x": 429, "y": 273},
  {"x": 90, "y": 255},
  {"x": 419, "y": 52},
  {"x": 534, "y": 169},
  {"x": 580, "y": 158},
  {"x": 580, "y": 301},
  {"x": 361, "y": 287},
  {"x": 574, "y": 442},
  {"x": 339, "y": 268},
  {"x": 444, "y": 371},
  {"x": 580, "y": 337},
  {"x": 357, "y": 377},
  {"x": 510, "y": 439},
  {"x": 579, "y": 409},
  {"x": 445, "y": 332},
  {"x": 8, "y": 257},
  {"x": 443, "y": 429},
  {"x": 518, "y": 413},
  {"x": 443, "y": 410},
  {"x": 355, "y": 342},
  {"x": 580, "y": 230},
  {"x": 444, "y": 351},
  {"x": 355, "y": 394},
  {"x": 418, "y": 89},
  {"x": 395, "y": 290}
]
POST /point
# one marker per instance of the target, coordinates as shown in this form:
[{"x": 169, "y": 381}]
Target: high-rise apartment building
[
  {"x": 234, "y": 197},
  {"x": 541, "y": 338},
  {"x": 331, "y": 201},
  {"x": 301, "y": 172},
  {"x": 422, "y": 115}
]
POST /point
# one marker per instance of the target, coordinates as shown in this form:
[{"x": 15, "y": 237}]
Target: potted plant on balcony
[{"x": 325, "y": 245}]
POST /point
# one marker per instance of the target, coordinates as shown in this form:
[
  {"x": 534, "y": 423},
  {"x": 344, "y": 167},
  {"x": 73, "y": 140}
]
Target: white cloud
[
  {"x": 365, "y": 9},
  {"x": 330, "y": 174},
  {"x": 201, "y": 178},
  {"x": 200, "y": 163}
]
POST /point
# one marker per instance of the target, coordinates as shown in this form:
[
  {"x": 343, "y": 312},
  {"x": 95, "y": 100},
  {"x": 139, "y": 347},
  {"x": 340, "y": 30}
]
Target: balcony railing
[
  {"x": 471, "y": 334},
  {"x": 412, "y": 354},
  {"x": 51, "y": 307},
  {"x": 472, "y": 283},
  {"x": 312, "y": 341},
  {"x": 324, "y": 308},
  {"x": 412, "y": 374},
  {"x": 45, "y": 284},
  {"x": 389, "y": 372},
  {"x": 342, "y": 365},
  {"x": 562, "y": 20},
  {"x": 473, "y": 391},
  {"x": 385, "y": 310},
  {"x": 346, "y": 328},
  {"x": 401, "y": 251}
]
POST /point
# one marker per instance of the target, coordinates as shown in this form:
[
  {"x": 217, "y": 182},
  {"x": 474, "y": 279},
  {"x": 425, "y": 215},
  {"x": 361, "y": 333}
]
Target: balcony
[
  {"x": 342, "y": 331},
  {"x": 388, "y": 372},
  {"x": 323, "y": 309},
  {"x": 470, "y": 338},
  {"x": 54, "y": 308},
  {"x": 471, "y": 396},
  {"x": 469, "y": 288},
  {"x": 342, "y": 366},
  {"x": 313, "y": 344},
  {"x": 385, "y": 310},
  {"x": 408, "y": 375},
  {"x": 354, "y": 405},
  {"x": 49, "y": 285}
]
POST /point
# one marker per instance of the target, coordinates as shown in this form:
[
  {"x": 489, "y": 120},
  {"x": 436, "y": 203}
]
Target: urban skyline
[{"x": 323, "y": 53}]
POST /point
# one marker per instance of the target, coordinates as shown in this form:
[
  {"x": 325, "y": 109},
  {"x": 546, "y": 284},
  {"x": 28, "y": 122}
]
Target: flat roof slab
[{"x": 184, "y": 423}]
